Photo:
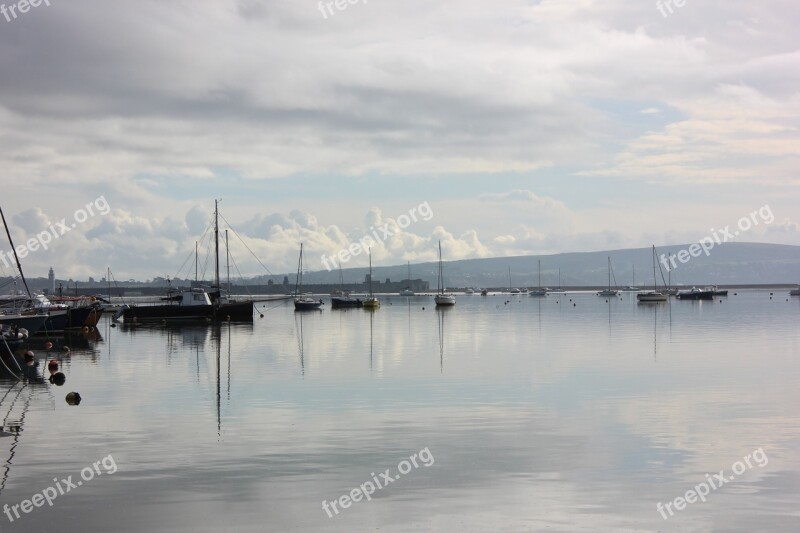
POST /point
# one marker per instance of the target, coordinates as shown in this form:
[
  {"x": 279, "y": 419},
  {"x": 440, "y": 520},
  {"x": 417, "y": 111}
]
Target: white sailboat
[
  {"x": 407, "y": 291},
  {"x": 539, "y": 291},
  {"x": 654, "y": 295},
  {"x": 608, "y": 291},
  {"x": 372, "y": 302},
  {"x": 442, "y": 298}
]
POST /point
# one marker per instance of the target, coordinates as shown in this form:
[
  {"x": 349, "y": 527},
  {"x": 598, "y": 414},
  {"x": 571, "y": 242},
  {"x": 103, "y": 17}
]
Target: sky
[{"x": 525, "y": 127}]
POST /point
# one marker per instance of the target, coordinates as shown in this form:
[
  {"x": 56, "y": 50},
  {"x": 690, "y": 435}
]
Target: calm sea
[{"x": 564, "y": 413}]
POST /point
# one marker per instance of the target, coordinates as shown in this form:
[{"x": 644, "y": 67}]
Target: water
[{"x": 561, "y": 413}]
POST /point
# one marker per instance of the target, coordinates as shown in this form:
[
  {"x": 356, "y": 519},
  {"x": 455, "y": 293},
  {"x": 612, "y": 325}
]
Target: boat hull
[
  {"x": 345, "y": 303},
  {"x": 651, "y": 297},
  {"x": 696, "y": 295},
  {"x": 307, "y": 305},
  {"x": 445, "y": 300},
  {"x": 33, "y": 323}
]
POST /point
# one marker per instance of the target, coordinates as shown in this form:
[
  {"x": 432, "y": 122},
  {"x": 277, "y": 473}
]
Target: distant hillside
[{"x": 727, "y": 264}]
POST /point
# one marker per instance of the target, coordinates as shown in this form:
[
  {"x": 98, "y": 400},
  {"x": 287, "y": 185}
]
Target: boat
[
  {"x": 303, "y": 303},
  {"x": 342, "y": 298},
  {"x": 654, "y": 295},
  {"x": 695, "y": 294},
  {"x": 469, "y": 290},
  {"x": 407, "y": 291},
  {"x": 716, "y": 290},
  {"x": 442, "y": 298},
  {"x": 609, "y": 291},
  {"x": 539, "y": 291},
  {"x": 560, "y": 289},
  {"x": 632, "y": 287},
  {"x": 371, "y": 302},
  {"x": 31, "y": 320},
  {"x": 795, "y": 292},
  {"x": 195, "y": 303},
  {"x": 484, "y": 292}
]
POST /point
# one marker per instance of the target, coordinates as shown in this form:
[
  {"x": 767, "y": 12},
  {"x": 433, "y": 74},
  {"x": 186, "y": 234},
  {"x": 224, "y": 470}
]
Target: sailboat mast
[
  {"x": 11, "y": 242},
  {"x": 298, "y": 281},
  {"x": 540, "y": 273},
  {"x": 655, "y": 285},
  {"x": 216, "y": 243},
  {"x": 228, "y": 261},
  {"x": 440, "y": 285},
  {"x": 195, "y": 263},
  {"x": 370, "y": 272}
]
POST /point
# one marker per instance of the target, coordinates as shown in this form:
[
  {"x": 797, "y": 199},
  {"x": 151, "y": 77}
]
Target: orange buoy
[
  {"x": 48, "y": 345},
  {"x": 52, "y": 365}
]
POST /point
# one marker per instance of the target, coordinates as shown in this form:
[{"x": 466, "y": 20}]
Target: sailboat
[
  {"x": 195, "y": 304},
  {"x": 608, "y": 291},
  {"x": 512, "y": 290},
  {"x": 303, "y": 303},
  {"x": 372, "y": 302},
  {"x": 343, "y": 300},
  {"x": 539, "y": 291},
  {"x": 407, "y": 291},
  {"x": 32, "y": 320},
  {"x": 632, "y": 287},
  {"x": 654, "y": 295},
  {"x": 442, "y": 298}
]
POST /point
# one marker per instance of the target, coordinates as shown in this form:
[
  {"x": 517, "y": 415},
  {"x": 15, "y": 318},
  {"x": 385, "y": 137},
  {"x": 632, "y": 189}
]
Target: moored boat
[
  {"x": 608, "y": 291},
  {"x": 655, "y": 295},
  {"x": 371, "y": 302},
  {"x": 442, "y": 298},
  {"x": 695, "y": 294}
]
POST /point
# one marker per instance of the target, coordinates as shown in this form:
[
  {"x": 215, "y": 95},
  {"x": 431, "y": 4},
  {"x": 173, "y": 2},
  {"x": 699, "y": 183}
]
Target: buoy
[
  {"x": 58, "y": 379},
  {"x": 29, "y": 354},
  {"x": 423, "y": 308},
  {"x": 73, "y": 398},
  {"x": 262, "y": 315},
  {"x": 113, "y": 325},
  {"x": 52, "y": 365},
  {"x": 65, "y": 349},
  {"x": 573, "y": 305},
  {"x": 48, "y": 345},
  {"x": 85, "y": 329}
]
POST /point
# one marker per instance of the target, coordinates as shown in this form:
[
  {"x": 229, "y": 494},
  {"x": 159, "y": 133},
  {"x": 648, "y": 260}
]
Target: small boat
[
  {"x": 371, "y": 302},
  {"x": 609, "y": 291},
  {"x": 716, "y": 290},
  {"x": 654, "y": 295},
  {"x": 303, "y": 303},
  {"x": 794, "y": 292},
  {"x": 484, "y": 292},
  {"x": 695, "y": 294},
  {"x": 407, "y": 291},
  {"x": 442, "y": 298},
  {"x": 341, "y": 298},
  {"x": 346, "y": 302},
  {"x": 539, "y": 291},
  {"x": 469, "y": 291}
]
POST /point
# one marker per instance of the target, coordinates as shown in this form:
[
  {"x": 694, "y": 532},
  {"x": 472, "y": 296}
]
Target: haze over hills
[{"x": 727, "y": 264}]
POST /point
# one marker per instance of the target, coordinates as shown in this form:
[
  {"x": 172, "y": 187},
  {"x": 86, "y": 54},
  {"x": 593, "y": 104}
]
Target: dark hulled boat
[{"x": 695, "y": 294}]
